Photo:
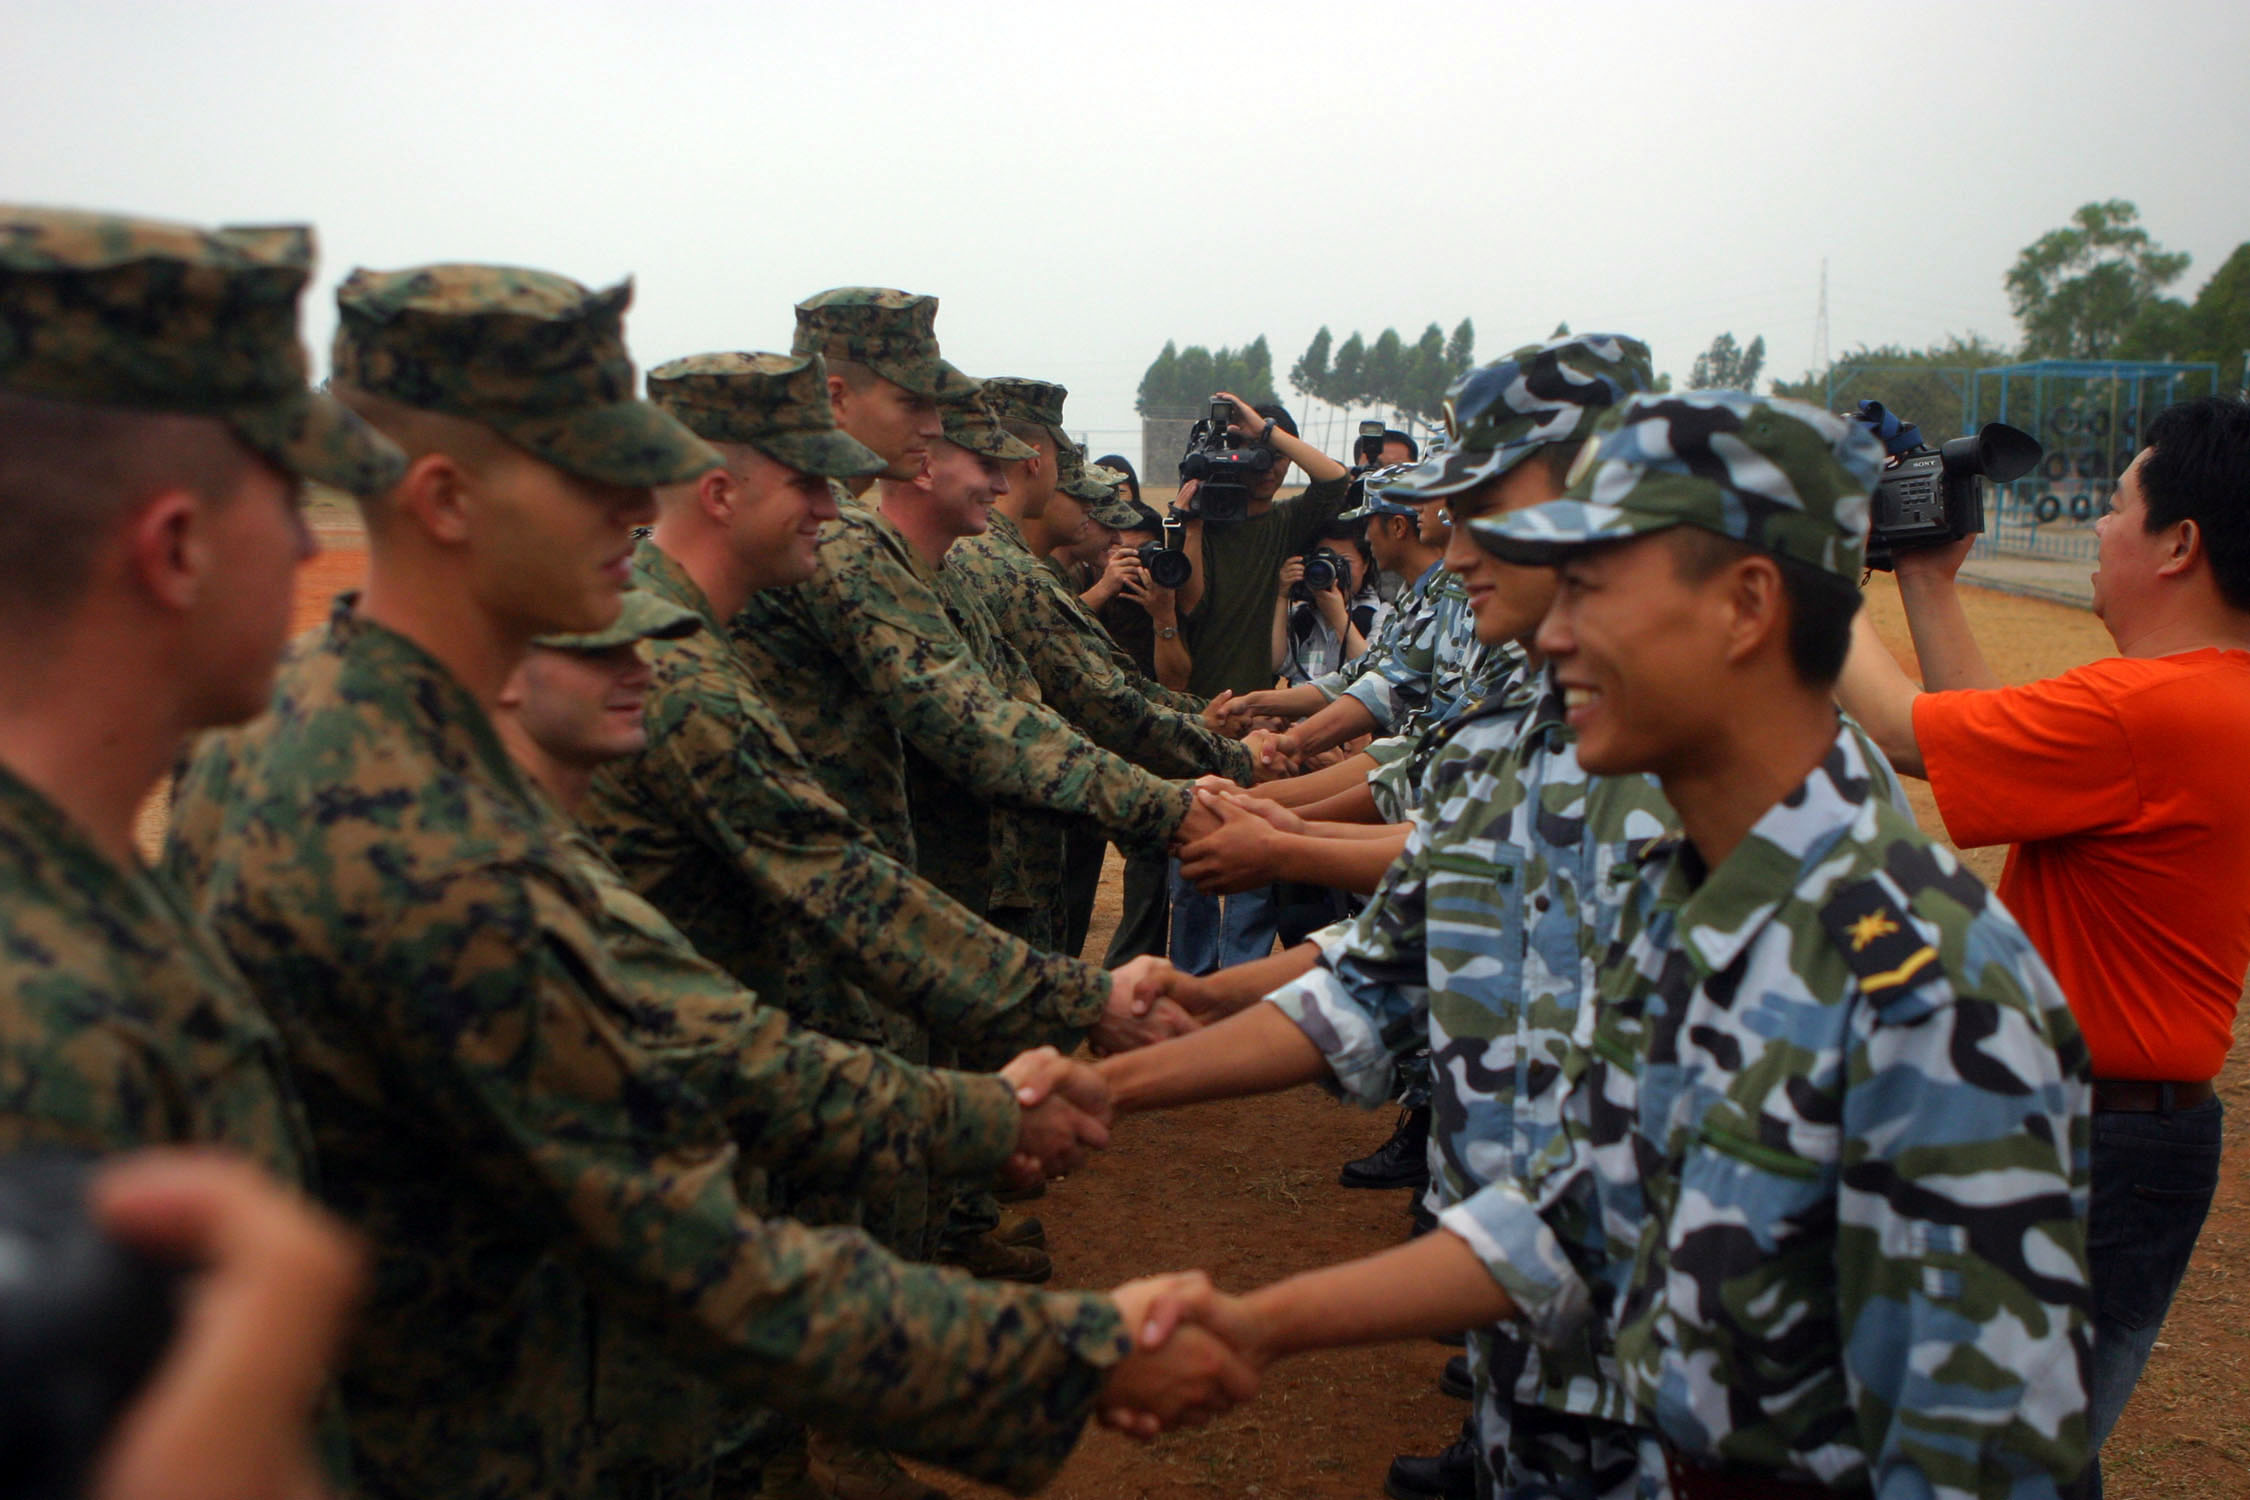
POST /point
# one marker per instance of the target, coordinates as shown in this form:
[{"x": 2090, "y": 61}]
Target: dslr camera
[
  {"x": 1166, "y": 561},
  {"x": 1930, "y": 496},
  {"x": 1223, "y": 466},
  {"x": 84, "y": 1321},
  {"x": 1324, "y": 569}
]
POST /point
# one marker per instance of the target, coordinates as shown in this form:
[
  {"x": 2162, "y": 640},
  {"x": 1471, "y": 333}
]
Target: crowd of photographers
[{"x": 647, "y": 914}]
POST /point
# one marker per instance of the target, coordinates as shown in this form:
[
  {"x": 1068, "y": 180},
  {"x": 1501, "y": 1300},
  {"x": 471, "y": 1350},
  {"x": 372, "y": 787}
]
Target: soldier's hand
[
  {"x": 1182, "y": 1371},
  {"x": 1165, "y": 1020},
  {"x": 1200, "y": 821},
  {"x": 1219, "y": 714},
  {"x": 1240, "y": 854},
  {"x": 1065, "y": 1115},
  {"x": 228, "y": 1415},
  {"x": 1137, "y": 984},
  {"x": 1283, "y": 819},
  {"x": 1273, "y": 755}
]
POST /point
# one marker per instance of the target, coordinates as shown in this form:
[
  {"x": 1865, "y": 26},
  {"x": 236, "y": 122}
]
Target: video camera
[
  {"x": 1222, "y": 466},
  {"x": 1930, "y": 496},
  {"x": 1166, "y": 561},
  {"x": 1325, "y": 568},
  {"x": 83, "y": 1322}
]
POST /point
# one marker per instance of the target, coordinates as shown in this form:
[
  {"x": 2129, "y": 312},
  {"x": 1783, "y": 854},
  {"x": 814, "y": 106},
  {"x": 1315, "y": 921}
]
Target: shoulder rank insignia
[{"x": 1879, "y": 942}]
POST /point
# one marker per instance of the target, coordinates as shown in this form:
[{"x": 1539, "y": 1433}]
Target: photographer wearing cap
[{"x": 2119, "y": 788}]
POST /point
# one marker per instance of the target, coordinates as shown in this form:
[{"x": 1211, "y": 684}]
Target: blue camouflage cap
[
  {"x": 1499, "y": 414},
  {"x": 1375, "y": 497},
  {"x": 1783, "y": 476}
]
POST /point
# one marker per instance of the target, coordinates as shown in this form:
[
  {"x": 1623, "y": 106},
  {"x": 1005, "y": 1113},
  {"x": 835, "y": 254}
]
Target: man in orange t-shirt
[{"x": 2121, "y": 787}]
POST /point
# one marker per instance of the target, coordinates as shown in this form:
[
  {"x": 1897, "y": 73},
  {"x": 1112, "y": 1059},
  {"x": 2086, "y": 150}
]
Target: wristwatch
[
  {"x": 1169, "y": 633},
  {"x": 1265, "y": 438}
]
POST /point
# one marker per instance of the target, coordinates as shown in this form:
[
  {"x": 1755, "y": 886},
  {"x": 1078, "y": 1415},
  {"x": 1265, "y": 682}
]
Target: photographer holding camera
[
  {"x": 1325, "y": 606},
  {"x": 2118, "y": 787},
  {"x": 1236, "y": 538}
]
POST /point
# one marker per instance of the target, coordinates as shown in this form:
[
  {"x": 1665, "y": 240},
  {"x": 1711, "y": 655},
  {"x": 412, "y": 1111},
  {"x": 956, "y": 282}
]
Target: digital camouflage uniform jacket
[
  {"x": 1081, "y": 671},
  {"x": 1831, "y": 1131},
  {"x": 720, "y": 824},
  {"x": 1407, "y": 614},
  {"x": 123, "y": 1022},
  {"x": 1402, "y": 760},
  {"x": 1481, "y": 944},
  {"x": 864, "y": 654},
  {"x": 1422, "y": 673},
  {"x": 523, "y": 1169}
]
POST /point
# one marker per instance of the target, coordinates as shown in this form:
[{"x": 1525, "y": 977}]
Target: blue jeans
[
  {"x": 2153, "y": 1177},
  {"x": 1206, "y": 937}
]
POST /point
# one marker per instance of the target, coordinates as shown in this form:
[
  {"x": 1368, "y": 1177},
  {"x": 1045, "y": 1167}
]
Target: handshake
[{"x": 1065, "y": 1103}]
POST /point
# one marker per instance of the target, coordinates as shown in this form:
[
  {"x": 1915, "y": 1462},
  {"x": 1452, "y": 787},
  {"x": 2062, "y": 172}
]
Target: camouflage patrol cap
[
  {"x": 150, "y": 316},
  {"x": 893, "y": 333},
  {"x": 1501, "y": 413},
  {"x": 643, "y": 617},
  {"x": 1015, "y": 399},
  {"x": 536, "y": 357},
  {"x": 1375, "y": 497},
  {"x": 1102, "y": 491},
  {"x": 775, "y": 403},
  {"x": 1783, "y": 476},
  {"x": 970, "y": 423}
]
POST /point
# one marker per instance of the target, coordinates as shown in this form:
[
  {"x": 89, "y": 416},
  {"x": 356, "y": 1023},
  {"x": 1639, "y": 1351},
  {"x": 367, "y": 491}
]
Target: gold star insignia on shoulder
[{"x": 1868, "y": 928}]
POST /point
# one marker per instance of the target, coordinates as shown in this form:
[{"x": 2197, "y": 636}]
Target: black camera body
[
  {"x": 1167, "y": 567},
  {"x": 1928, "y": 496},
  {"x": 1324, "y": 569},
  {"x": 1223, "y": 469},
  {"x": 84, "y": 1321}
]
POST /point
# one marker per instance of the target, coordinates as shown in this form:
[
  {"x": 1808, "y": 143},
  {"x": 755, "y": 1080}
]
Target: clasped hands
[
  {"x": 1235, "y": 845},
  {"x": 1197, "y": 1354}
]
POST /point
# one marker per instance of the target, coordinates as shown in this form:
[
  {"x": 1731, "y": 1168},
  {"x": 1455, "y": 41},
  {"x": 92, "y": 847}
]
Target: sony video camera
[
  {"x": 1930, "y": 496},
  {"x": 84, "y": 1321},
  {"x": 1166, "y": 561},
  {"x": 1222, "y": 466}
]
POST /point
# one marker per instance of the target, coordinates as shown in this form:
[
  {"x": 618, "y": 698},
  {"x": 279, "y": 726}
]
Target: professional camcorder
[
  {"x": 1223, "y": 467},
  {"x": 1930, "y": 496},
  {"x": 83, "y": 1322},
  {"x": 1165, "y": 561}
]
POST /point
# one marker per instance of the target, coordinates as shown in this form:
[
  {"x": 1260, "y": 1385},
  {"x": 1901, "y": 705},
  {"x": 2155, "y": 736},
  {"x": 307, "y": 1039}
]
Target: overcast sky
[{"x": 1080, "y": 183}]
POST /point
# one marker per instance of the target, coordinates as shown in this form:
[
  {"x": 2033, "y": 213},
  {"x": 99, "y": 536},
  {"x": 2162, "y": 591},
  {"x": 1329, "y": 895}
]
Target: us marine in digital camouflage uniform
[
  {"x": 1833, "y": 1111},
  {"x": 808, "y": 1110},
  {"x": 151, "y": 376},
  {"x": 1092, "y": 684},
  {"x": 863, "y": 659},
  {"x": 436, "y": 959},
  {"x": 1481, "y": 940}
]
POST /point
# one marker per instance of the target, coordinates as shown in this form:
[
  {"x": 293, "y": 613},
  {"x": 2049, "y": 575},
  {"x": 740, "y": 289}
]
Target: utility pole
[{"x": 1820, "y": 323}]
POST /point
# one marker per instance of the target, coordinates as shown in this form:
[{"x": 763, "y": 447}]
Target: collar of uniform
[
  {"x": 655, "y": 570},
  {"x": 1718, "y": 917},
  {"x": 394, "y": 674},
  {"x": 1010, "y": 534},
  {"x": 1421, "y": 585},
  {"x": 894, "y": 540},
  {"x": 36, "y": 836}
]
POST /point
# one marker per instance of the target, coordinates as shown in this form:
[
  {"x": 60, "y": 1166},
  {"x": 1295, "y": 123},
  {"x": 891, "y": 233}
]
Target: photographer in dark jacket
[{"x": 1226, "y": 612}]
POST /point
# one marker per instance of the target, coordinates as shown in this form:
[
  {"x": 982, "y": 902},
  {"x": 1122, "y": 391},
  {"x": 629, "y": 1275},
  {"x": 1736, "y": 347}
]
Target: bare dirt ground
[{"x": 1248, "y": 1192}]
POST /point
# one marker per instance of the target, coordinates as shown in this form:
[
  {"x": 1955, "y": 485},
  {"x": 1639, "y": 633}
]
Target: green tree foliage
[
  {"x": 1180, "y": 382},
  {"x": 2082, "y": 290},
  {"x": 1409, "y": 378},
  {"x": 1925, "y": 386},
  {"x": 2215, "y": 327},
  {"x": 1726, "y": 366}
]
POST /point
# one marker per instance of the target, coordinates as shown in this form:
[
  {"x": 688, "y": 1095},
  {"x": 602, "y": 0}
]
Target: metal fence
[{"x": 2089, "y": 414}]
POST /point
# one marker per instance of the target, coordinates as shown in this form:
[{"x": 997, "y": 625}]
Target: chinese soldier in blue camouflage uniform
[
  {"x": 435, "y": 957},
  {"x": 155, "y": 428},
  {"x": 1828, "y": 1076}
]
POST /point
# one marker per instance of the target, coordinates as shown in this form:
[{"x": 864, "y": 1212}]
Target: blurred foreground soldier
[
  {"x": 155, "y": 431},
  {"x": 2119, "y": 788},
  {"x": 528, "y": 1175}
]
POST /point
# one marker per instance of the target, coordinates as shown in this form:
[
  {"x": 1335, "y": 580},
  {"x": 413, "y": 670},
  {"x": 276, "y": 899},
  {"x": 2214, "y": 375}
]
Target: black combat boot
[
  {"x": 1403, "y": 1161},
  {"x": 1451, "y": 1475}
]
